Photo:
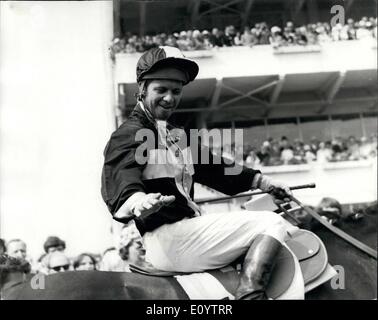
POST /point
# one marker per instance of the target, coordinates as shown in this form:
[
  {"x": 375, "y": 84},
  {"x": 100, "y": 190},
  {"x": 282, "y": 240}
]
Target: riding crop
[{"x": 250, "y": 194}]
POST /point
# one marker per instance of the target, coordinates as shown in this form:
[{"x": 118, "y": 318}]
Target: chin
[{"x": 164, "y": 115}]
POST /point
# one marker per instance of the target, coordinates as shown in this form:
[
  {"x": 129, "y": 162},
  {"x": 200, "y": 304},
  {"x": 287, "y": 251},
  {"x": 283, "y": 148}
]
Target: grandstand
[
  {"x": 327, "y": 92},
  {"x": 151, "y": 17}
]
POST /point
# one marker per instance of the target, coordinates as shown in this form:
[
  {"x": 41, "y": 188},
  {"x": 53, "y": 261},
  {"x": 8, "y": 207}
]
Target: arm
[
  {"x": 213, "y": 176},
  {"x": 122, "y": 188},
  {"x": 121, "y": 174}
]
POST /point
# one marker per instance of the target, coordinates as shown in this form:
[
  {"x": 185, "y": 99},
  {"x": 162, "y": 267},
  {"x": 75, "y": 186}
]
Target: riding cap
[{"x": 166, "y": 62}]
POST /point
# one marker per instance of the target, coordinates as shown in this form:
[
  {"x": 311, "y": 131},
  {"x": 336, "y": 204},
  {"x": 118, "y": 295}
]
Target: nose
[{"x": 169, "y": 97}]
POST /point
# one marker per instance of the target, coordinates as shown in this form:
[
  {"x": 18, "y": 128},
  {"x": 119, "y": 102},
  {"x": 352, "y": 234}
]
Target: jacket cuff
[
  {"x": 256, "y": 181},
  {"x": 261, "y": 182},
  {"x": 127, "y": 209}
]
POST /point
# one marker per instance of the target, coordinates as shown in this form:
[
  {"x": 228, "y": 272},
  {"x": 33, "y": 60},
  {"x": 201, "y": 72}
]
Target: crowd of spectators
[
  {"x": 260, "y": 33},
  {"x": 274, "y": 152},
  {"x": 54, "y": 258}
]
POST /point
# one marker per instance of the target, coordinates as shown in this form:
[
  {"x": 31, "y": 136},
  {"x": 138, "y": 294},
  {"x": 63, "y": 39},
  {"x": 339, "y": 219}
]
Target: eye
[
  {"x": 177, "y": 92},
  {"x": 160, "y": 90}
]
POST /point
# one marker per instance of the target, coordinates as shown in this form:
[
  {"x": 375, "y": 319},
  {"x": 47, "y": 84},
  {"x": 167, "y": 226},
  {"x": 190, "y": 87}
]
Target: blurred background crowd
[
  {"x": 283, "y": 151},
  {"x": 259, "y": 34},
  {"x": 129, "y": 250}
]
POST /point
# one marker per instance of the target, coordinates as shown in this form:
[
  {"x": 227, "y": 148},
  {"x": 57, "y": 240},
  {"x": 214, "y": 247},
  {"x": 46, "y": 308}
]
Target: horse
[
  {"x": 359, "y": 270},
  {"x": 358, "y": 280}
]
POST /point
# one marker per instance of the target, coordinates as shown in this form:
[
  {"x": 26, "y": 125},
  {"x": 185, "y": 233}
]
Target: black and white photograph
[{"x": 188, "y": 153}]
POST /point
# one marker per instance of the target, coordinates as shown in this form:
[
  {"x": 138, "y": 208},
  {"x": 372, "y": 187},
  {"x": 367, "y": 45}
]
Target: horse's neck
[{"x": 12, "y": 279}]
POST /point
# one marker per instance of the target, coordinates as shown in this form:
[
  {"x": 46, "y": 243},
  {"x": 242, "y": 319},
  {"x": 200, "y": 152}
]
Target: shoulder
[
  {"x": 126, "y": 134},
  {"x": 130, "y": 127}
]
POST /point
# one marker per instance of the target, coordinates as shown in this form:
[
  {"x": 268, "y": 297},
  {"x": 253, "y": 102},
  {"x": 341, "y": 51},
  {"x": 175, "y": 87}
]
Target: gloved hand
[
  {"x": 150, "y": 203},
  {"x": 277, "y": 189}
]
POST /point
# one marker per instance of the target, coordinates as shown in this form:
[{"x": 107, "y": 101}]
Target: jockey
[{"x": 158, "y": 195}]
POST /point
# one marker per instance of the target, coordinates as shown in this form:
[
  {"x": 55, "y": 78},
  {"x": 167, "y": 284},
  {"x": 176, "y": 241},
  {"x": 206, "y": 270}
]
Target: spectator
[
  {"x": 314, "y": 145},
  {"x": 54, "y": 244},
  {"x": 16, "y": 248},
  {"x": 324, "y": 153},
  {"x": 275, "y": 153},
  {"x": 284, "y": 142},
  {"x": 353, "y": 149},
  {"x": 132, "y": 253},
  {"x": 171, "y": 41},
  {"x": 206, "y": 39},
  {"x": 216, "y": 38},
  {"x": 289, "y": 36},
  {"x": 276, "y": 39},
  {"x": 309, "y": 155},
  {"x": 264, "y": 153},
  {"x": 198, "y": 41},
  {"x": 336, "y": 29},
  {"x": 366, "y": 148},
  {"x": 85, "y": 261},
  {"x": 238, "y": 39},
  {"x": 303, "y": 35},
  {"x": 263, "y": 33},
  {"x": 363, "y": 31},
  {"x": 248, "y": 38},
  {"x": 129, "y": 48},
  {"x": 41, "y": 265},
  {"x": 2, "y": 246},
  {"x": 252, "y": 159},
  {"x": 148, "y": 43},
  {"x": 229, "y": 35},
  {"x": 128, "y": 232},
  {"x": 323, "y": 34},
  {"x": 57, "y": 261},
  {"x": 287, "y": 155},
  {"x": 112, "y": 258},
  {"x": 350, "y": 30},
  {"x": 111, "y": 261},
  {"x": 10, "y": 265},
  {"x": 183, "y": 42}
]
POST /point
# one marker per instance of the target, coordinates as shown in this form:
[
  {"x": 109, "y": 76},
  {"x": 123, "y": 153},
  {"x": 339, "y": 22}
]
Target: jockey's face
[{"x": 162, "y": 97}]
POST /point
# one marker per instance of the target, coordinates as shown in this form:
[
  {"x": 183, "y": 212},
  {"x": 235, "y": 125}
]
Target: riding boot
[{"x": 257, "y": 268}]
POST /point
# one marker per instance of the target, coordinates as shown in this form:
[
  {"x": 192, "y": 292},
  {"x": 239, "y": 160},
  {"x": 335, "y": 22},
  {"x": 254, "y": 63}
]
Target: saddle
[{"x": 305, "y": 245}]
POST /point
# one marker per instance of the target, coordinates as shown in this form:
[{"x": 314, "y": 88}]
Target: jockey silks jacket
[{"x": 125, "y": 173}]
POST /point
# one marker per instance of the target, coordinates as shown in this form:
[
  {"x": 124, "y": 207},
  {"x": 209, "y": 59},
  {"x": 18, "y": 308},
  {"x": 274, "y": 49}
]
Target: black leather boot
[{"x": 257, "y": 268}]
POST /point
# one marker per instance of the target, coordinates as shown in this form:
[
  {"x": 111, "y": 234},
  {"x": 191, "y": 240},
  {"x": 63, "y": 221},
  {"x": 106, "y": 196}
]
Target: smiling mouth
[{"x": 166, "y": 107}]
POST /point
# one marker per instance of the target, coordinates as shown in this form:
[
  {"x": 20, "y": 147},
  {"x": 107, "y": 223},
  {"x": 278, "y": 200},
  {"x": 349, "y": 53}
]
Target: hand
[
  {"x": 152, "y": 202},
  {"x": 279, "y": 190}
]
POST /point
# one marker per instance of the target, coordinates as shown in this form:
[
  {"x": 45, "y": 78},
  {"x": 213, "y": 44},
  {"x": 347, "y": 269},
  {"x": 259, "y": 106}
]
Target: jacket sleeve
[
  {"x": 121, "y": 173},
  {"x": 214, "y": 174}
]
